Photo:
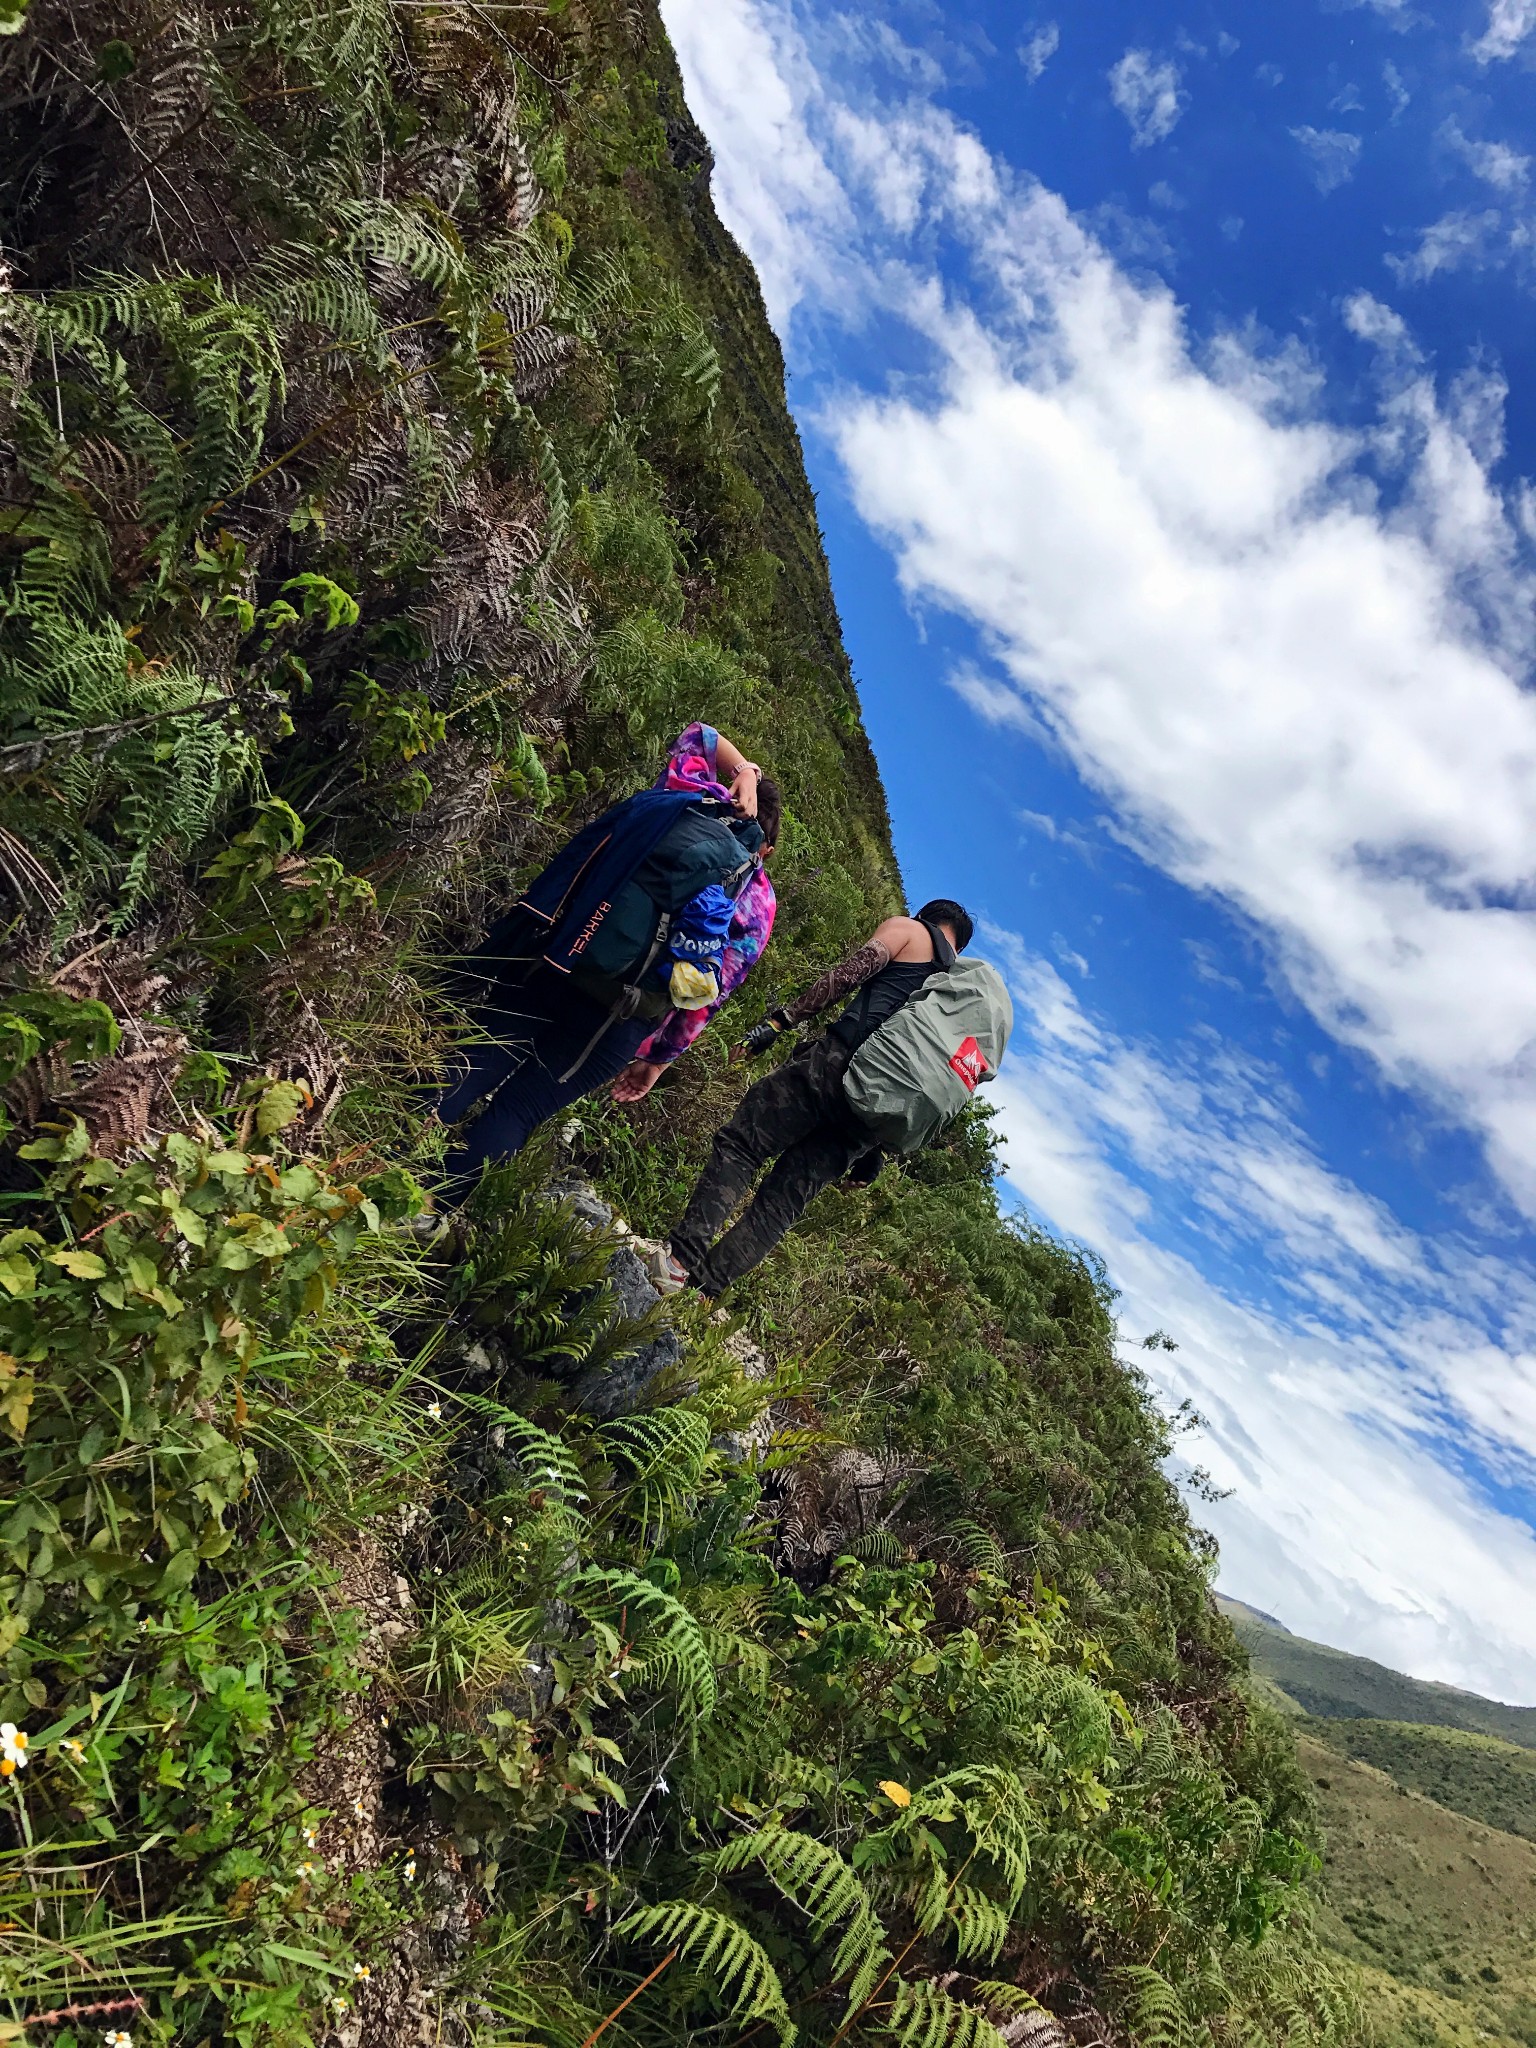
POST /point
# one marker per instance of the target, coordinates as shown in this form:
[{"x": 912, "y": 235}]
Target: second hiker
[
  {"x": 904, "y": 1057},
  {"x": 629, "y": 941}
]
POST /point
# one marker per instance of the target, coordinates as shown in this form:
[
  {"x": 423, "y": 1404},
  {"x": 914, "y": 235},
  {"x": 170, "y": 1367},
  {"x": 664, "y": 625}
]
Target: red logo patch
[{"x": 969, "y": 1064}]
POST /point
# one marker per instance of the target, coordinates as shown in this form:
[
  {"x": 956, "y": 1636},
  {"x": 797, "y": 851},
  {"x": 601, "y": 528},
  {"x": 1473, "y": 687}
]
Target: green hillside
[
  {"x": 1477, "y": 1775},
  {"x": 1429, "y": 1868},
  {"x": 1441, "y": 1909},
  {"x": 1333, "y": 1685},
  {"x": 410, "y": 1629}
]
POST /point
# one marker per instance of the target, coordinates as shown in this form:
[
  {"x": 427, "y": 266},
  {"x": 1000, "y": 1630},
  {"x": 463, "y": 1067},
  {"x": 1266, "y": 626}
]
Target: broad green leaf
[
  {"x": 83, "y": 1265},
  {"x": 279, "y": 1106}
]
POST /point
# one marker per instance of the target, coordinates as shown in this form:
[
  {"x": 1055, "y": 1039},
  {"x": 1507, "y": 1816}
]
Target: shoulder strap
[{"x": 943, "y": 952}]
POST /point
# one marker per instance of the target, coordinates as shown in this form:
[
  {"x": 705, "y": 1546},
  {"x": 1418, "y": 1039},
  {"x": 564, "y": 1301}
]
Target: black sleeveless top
[{"x": 884, "y": 993}]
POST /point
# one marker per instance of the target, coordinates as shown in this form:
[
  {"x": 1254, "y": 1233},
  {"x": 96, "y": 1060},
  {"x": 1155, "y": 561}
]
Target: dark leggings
[
  {"x": 535, "y": 1031},
  {"x": 797, "y": 1114}
]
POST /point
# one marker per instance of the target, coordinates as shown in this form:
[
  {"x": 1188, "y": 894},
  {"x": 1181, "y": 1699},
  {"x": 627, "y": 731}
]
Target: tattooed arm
[{"x": 851, "y": 972}]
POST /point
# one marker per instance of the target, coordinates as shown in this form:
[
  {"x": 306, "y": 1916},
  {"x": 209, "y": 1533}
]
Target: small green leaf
[
  {"x": 17, "y": 1275},
  {"x": 86, "y": 1265},
  {"x": 190, "y": 1224},
  {"x": 280, "y": 1105}
]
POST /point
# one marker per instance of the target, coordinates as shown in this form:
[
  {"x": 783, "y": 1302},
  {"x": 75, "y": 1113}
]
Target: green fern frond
[
  {"x": 660, "y": 1457},
  {"x": 976, "y": 1923},
  {"x": 547, "y": 1459},
  {"x": 979, "y": 1549},
  {"x": 1153, "y": 2009},
  {"x": 813, "y": 1877},
  {"x": 921, "y": 2015},
  {"x": 673, "y": 1649},
  {"x": 734, "y": 1971},
  {"x": 996, "y": 1810}
]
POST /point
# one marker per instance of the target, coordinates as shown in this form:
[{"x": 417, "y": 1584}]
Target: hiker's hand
[
  {"x": 637, "y": 1080},
  {"x": 744, "y": 788},
  {"x": 760, "y": 1039}
]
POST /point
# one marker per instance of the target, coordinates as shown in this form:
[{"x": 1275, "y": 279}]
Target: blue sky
[{"x": 1168, "y": 381}]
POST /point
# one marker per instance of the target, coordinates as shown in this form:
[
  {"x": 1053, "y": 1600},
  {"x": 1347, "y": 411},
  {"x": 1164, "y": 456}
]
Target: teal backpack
[{"x": 920, "y": 1069}]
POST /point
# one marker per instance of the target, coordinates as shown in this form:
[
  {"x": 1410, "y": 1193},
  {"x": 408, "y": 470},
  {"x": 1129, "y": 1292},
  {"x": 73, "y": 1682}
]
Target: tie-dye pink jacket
[{"x": 692, "y": 765}]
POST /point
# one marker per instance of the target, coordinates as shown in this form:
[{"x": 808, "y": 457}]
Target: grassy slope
[
  {"x": 1429, "y": 1870},
  {"x": 1442, "y": 1908},
  {"x": 1488, "y": 1780}
]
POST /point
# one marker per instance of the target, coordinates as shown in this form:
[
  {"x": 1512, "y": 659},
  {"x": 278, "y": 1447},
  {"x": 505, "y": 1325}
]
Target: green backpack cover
[{"x": 919, "y": 1070}]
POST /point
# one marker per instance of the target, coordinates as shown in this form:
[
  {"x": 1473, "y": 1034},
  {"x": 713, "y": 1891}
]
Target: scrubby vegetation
[
  {"x": 1428, "y": 1887},
  {"x": 1489, "y": 1781},
  {"x": 394, "y": 455},
  {"x": 1438, "y": 1910}
]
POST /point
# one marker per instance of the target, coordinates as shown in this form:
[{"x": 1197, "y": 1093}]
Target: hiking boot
[{"x": 665, "y": 1273}]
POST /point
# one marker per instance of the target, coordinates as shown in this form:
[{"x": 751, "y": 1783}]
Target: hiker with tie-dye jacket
[{"x": 704, "y": 760}]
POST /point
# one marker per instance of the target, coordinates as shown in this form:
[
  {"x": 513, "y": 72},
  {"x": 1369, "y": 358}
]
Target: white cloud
[
  {"x": 1286, "y": 694},
  {"x": 1496, "y": 163},
  {"x": 747, "y": 80},
  {"x": 1038, "y": 51},
  {"x": 1509, "y": 23},
  {"x": 1289, "y": 656},
  {"x": 1149, "y": 94},
  {"x": 1332, "y": 155},
  {"x": 1397, "y": 92},
  {"x": 1459, "y": 240},
  {"x": 1343, "y": 1519}
]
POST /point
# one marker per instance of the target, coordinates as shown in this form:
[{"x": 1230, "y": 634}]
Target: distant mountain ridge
[{"x": 1335, "y": 1685}]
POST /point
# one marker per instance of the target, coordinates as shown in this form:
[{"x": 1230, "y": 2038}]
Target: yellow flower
[
  {"x": 897, "y": 1794},
  {"x": 76, "y": 1749}
]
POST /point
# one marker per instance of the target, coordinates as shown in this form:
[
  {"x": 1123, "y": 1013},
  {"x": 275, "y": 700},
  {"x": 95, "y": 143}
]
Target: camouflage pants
[{"x": 797, "y": 1115}]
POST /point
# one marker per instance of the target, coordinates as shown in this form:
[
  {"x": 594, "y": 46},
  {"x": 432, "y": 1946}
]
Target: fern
[
  {"x": 673, "y": 1650},
  {"x": 547, "y": 1459},
  {"x": 976, "y": 1923},
  {"x": 921, "y": 2015},
  {"x": 812, "y": 1876},
  {"x": 737, "y": 1976},
  {"x": 660, "y": 1458},
  {"x": 1153, "y": 2009},
  {"x": 996, "y": 1811},
  {"x": 979, "y": 1548}
]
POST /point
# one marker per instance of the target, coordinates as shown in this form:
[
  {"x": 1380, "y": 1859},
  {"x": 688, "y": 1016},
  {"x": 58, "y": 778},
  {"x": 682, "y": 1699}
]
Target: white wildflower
[
  {"x": 435, "y": 1410},
  {"x": 118, "y": 2037},
  {"x": 361, "y": 1970},
  {"x": 13, "y": 1749}
]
